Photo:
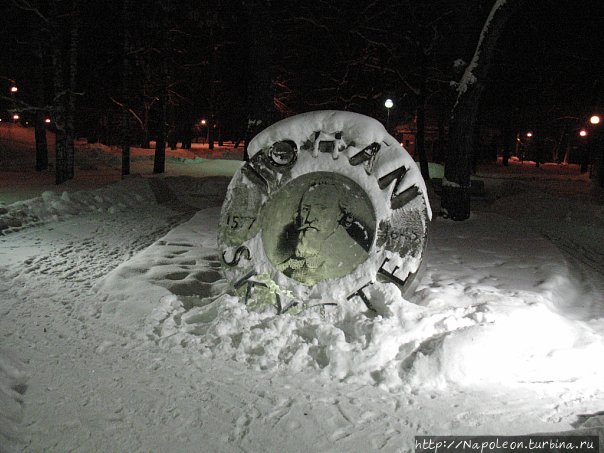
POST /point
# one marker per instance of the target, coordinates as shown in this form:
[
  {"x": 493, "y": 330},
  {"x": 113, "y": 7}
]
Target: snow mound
[
  {"x": 464, "y": 327},
  {"x": 51, "y": 206},
  {"x": 408, "y": 346},
  {"x": 93, "y": 156}
]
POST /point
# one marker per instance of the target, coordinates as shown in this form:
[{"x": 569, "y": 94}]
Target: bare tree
[
  {"x": 260, "y": 91},
  {"x": 74, "y": 36},
  {"x": 65, "y": 28},
  {"x": 126, "y": 75},
  {"x": 455, "y": 202},
  {"x": 32, "y": 43}
]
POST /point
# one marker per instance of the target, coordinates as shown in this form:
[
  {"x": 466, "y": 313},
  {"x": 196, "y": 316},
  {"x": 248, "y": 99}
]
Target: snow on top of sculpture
[{"x": 328, "y": 204}]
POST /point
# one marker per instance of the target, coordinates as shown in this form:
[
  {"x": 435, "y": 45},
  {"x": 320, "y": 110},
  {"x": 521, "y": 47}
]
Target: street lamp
[
  {"x": 205, "y": 123},
  {"x": 388, "y": 104},
  {"x": 595, "y": 119},
  {"x": 14, "y": 89},
  {"x": 529, "y": 134},
  {"x": 583, "y": 133}
]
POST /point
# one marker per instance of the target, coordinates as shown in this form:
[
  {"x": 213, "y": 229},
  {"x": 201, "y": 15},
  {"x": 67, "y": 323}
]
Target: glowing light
[
  {"x": 583, "y": 133},
  {"x": 529, "y": 134},
  {"x": 595, "y": 119},
  {"x": 388, "y": 103},
  {"x": 47, "y": 120},
  {"x": 16, "y": 117},
  {"x": 203, "y": 122},
  {"x": 14, "y": 89}
]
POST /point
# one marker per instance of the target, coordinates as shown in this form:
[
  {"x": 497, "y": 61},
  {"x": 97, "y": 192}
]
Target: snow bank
[
  {"x": 493, "y": 295},
  {"x": 409, "y": 345},
  {"x": 51, "y": 206},
  {"x": 468, "y": 323},
  {"x": 184, "y": 264},
  {"x": 527, "y": 344}
]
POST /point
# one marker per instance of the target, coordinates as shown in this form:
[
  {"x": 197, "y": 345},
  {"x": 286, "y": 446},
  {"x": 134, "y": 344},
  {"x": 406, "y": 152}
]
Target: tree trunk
[
  {"x": 599, "y": 168},
  {"x": 125, "y": 159},
  {"x": 159, "y": 162},
  {"x": 220, "y": 139},
  {"x": 508, "y": 141},
  {"x": 125, "y": 143},
  {"x": 71, "y": 96},
  {"x": 259, "y": 84},
  {"x": 440, "y": 145},
  {"x": 61, "y": 171},
  {"x": 595, "y": 151},
  {"x": 39, "y": 124},
  {"x": 125, "y": 89},
  {"x": 211, "y": 130},
  {"x": 455, "y": 203},
  {"x": 477, "y": 151},
  {"x": 558, "y": 147},
  {"x": 146, "y": 141},
  {"x": 41, "y": 145},
  {"x": 566, "y": 147},
  {"x": 420, "y": 142}
]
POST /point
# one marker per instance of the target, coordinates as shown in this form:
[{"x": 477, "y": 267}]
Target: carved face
[{"x": 319, "y": 209}]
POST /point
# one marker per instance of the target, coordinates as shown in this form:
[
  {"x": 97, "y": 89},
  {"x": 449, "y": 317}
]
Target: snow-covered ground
[{"x": 118, "y": 333}]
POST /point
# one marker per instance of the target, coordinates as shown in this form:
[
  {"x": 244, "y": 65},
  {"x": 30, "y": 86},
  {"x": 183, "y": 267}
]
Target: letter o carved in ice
[{"x": 328, "y": 204}]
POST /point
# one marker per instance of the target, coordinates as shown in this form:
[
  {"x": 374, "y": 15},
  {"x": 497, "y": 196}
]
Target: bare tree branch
[
  {"x": 25, "y": 5},
  {"x": 129, "y": 110}
]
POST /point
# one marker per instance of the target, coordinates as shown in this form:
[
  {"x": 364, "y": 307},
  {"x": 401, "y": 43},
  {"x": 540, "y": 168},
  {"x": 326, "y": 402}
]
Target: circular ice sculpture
[{"x": 328, "y": 204}]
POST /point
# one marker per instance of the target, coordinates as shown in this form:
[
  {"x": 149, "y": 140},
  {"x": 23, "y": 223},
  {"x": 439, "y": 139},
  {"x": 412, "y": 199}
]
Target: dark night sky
[
  {"x": 551, "y": 60},
  {"x": 549, "y": 63}
]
